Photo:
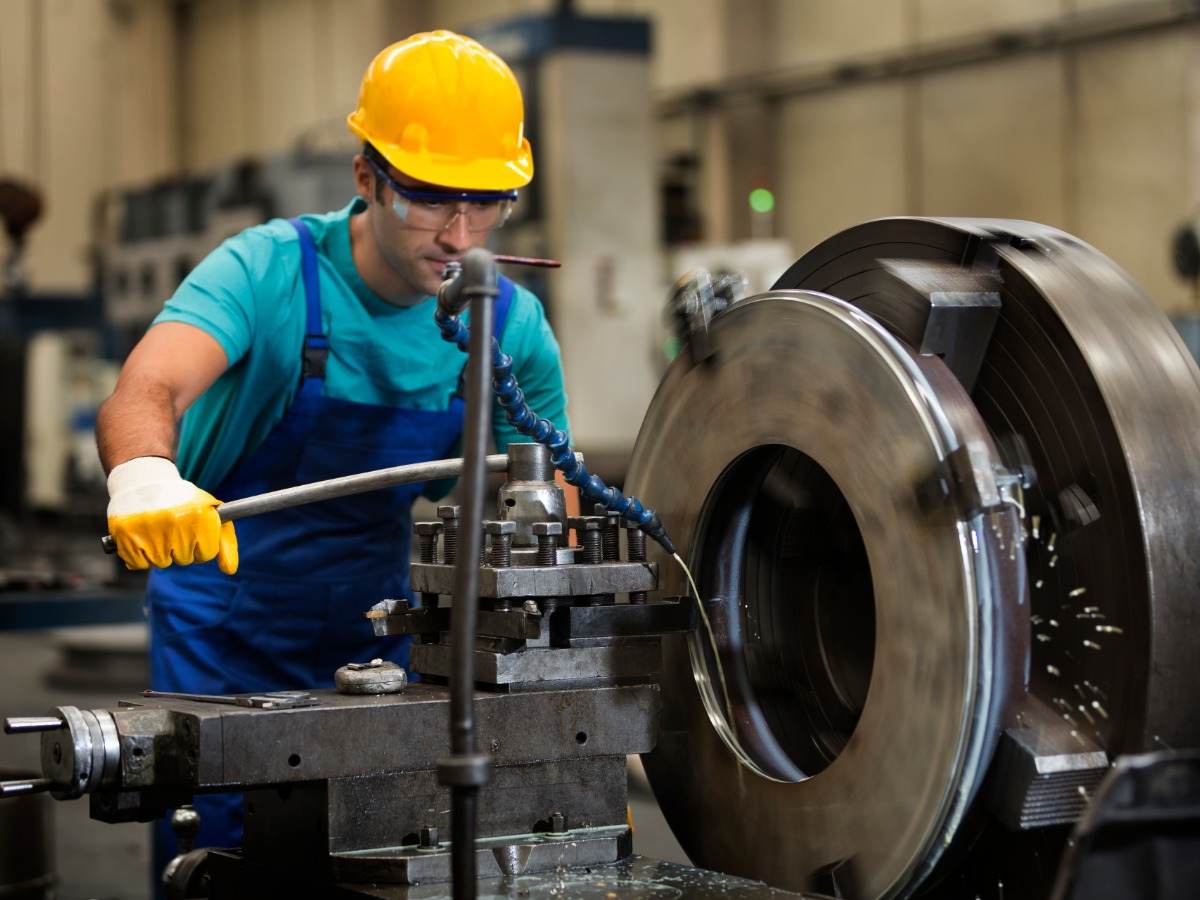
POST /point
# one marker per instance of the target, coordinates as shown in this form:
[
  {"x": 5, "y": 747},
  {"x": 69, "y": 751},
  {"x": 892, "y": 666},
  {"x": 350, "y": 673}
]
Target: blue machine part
[{"x": 526, "y": 421}]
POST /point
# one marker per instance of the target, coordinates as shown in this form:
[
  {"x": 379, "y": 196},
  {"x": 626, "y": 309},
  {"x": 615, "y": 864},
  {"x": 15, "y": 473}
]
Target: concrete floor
[{"x": 95, "y": 860}]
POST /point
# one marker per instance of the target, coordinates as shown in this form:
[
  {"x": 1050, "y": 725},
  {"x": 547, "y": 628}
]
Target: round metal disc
[
  {"x": 803, "y": 442},
  {"x": 780, "y": 508},
  {"x": 1086, "y": 368}
]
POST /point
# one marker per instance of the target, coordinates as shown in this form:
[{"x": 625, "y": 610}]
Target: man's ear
[{"x": 364, "y": 178}]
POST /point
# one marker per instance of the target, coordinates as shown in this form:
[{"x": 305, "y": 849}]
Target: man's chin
[
  {"x": 431, "y": 275},
  {"x": 431, "y": 285}
]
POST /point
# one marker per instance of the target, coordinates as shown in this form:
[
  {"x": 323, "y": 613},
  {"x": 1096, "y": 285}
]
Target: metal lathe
[{"x": 940, "y": 491}]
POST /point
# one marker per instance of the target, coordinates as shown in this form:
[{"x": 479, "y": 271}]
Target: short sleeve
[
  {"x": 537, "y": 365},
  {"x": 218, "y": 296}
]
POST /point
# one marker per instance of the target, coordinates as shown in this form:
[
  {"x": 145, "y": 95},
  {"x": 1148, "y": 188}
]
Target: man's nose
[{"x": 455, "y": 237}]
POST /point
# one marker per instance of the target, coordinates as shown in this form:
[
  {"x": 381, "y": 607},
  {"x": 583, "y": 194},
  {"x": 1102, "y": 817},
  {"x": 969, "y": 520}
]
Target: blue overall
[{"x": 293, "y": 613}]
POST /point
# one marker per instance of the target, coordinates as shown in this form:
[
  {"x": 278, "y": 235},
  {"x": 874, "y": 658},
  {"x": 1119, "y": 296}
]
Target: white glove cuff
[{"x": 141, "y": 472}]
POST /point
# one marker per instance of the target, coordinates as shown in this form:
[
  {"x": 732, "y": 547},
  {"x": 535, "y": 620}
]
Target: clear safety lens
[{"x": 439, "y": 215}]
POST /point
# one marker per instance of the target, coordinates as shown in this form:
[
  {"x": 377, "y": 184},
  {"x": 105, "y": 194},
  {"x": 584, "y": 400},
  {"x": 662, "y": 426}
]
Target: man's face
[{"x": 417, "y": 256}]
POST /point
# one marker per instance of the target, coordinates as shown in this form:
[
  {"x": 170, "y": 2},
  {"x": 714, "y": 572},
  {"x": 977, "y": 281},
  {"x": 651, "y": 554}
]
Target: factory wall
[
  {"x": 259, "y": 75},
  {"x": 1102, "y": 138},
  {"x": 96, "y": 94},
  {"x": 85, "y": 103},
  {"x": 1099, "y": 140}
]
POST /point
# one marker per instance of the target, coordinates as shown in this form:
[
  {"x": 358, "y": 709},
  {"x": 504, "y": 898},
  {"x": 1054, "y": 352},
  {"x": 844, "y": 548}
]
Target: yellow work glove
[{"x": 157, "y": 518}]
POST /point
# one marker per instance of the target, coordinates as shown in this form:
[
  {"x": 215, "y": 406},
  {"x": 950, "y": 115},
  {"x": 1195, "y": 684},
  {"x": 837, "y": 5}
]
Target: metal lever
[
  {"x": 506, "y": 260},
  {"x": 20, "y": 788},
  {"x": 268, "y": 700},
  {"x": 27, "y": 724},
  {"x": 332, "y": 488},
  {"x": 454, "y": 268}
]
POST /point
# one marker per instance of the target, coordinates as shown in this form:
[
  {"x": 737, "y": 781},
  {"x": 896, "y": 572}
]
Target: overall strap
[
  {"x": 316, "y": 343},
  {"x": 503, "y": 302},
  {"x": 499, "y": 316}
]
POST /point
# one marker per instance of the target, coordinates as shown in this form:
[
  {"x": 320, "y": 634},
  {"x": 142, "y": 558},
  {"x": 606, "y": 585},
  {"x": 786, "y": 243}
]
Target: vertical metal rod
[
  {"x": 464, "y": 796},
  {"x": 636, "y": 551}
]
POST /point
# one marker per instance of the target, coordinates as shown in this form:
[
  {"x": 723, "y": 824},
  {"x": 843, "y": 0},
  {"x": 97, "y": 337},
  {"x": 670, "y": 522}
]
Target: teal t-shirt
[{"x": 249, "y": 296}]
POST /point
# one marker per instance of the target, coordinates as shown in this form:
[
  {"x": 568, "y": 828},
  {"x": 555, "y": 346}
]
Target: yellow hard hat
[{"x": 442, "y": 108}]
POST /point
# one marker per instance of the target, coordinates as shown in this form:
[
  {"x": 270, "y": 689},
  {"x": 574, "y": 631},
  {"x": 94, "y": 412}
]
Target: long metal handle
[
  {"x": 345, "y": 486},
  {"x": 527, "y": 261},
  {"x": 21, "y": 787},
  {"x": 26, "y": 724},
  {"x": 227, "y": 699}
]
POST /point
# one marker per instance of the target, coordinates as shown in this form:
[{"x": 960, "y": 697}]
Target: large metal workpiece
[{"x": 941, "y": 497}]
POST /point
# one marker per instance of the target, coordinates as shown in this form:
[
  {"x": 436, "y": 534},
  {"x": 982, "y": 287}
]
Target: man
[{"x": 305, "y": 350}]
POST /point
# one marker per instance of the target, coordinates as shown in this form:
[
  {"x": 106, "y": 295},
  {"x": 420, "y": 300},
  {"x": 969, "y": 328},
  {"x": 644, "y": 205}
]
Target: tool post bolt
[
  {"x": 427, "y": 540},
  {"x": 500, "y": 555},
  {"x": 501, "y": 532},
  {"x": 611, "y": 533},
  {"x": 547, "y": 534},
  {"x": 429, "y": 837},
  {"x": 589, "y": 530},
  {"x": 635, "y": 551},
  {"x": 449, "y": 516}
]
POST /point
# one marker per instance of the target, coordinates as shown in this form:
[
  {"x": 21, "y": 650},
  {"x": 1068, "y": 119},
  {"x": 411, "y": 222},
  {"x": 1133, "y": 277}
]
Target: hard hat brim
[{"x": 479, "y": 174}]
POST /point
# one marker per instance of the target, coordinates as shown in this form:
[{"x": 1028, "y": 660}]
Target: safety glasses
[{"x": 437, "y": 210}]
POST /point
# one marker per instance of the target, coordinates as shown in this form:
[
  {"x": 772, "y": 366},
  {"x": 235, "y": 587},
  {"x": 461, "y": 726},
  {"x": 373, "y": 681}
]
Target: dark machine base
[{"x": 635, "y": 877}]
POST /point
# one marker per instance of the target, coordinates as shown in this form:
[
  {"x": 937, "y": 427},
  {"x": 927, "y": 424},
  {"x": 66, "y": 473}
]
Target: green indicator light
[{"x": 762, "y": 200}]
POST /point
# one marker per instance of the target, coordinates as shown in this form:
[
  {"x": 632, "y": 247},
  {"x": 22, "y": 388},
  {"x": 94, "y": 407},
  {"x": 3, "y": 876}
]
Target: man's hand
[{"x": 157, "y": 518}]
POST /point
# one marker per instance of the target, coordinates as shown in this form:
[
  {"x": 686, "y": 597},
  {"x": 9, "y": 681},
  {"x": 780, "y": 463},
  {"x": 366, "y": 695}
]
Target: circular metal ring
[
  {"x": 1085, "y": 376},
  {"x": 110, "y": 742},
  {"x": 97, "y": 740},
  {"x": 806, "y": 375},
  {"x": 67, "y": 753}
]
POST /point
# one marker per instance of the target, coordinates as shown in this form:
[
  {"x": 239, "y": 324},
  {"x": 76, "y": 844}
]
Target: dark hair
[{"x": 375, "y": 156}]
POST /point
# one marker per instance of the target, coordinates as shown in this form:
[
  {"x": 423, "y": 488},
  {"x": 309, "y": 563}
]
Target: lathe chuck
[{"x": 939, "y": 487}]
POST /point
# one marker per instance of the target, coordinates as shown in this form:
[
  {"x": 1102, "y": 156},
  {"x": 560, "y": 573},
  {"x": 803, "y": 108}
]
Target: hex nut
[
  {"x": 383, "y": 678},
  {"x": 547, "y": 528},
  {"x": 500, "y": 526}
]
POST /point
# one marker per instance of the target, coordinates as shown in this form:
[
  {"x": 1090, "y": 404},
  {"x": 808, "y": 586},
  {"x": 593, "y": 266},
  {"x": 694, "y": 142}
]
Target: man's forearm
[
  {"x": 170, "y": 367},
  {"x": 139, "y": 419}
]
